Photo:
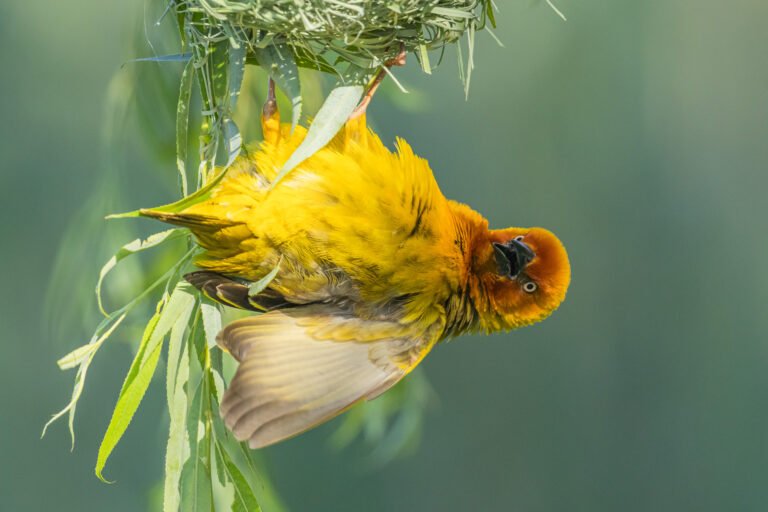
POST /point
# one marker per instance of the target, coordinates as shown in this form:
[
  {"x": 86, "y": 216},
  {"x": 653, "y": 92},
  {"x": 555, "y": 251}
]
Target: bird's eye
[
  {"x": 519, "y": 238},
  {"x": 530, "y": 287}
]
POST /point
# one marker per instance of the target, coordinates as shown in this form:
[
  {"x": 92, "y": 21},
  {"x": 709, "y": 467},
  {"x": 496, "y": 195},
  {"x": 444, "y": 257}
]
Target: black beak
[{"x": 512, "y": 257}]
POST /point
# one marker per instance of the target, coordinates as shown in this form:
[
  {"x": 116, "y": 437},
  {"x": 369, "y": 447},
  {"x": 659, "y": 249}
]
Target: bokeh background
[{"x": 637, "y": 131}]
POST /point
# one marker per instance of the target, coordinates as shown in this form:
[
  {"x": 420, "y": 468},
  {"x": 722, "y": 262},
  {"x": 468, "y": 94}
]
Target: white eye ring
[
  {"x": 519, "y": 238},
  {"x": 530, "y": 287}
]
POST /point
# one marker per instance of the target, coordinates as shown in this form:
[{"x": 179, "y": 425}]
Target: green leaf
[
  {"x": 488, "y": 7},
  {"x": 231, "y": 133},
  {"x": 128, "y": 249},
  {"x": 265, "y": 490},
  {"x": 219, "y": 65},
  {"x": 211, "y": 321},
  {"x": 259, "y": 286},
  {"x": 182, "y": 124},
  {"x": 103, "y": 331},
  {"x": 82, "y": 358},
  {"x": 424, "y": 59},
  {"x": 333, "y": 114},
  {"x": 236, "y": 71},
  {"x": 177, "y": 449},
  {"x": 119, "y": 423},
  {"x": 244, "y": 497},
  {"x": 196, "y": 474},
  {"x": 178, "y": 307},
  {"x": 79, "y": 355},
  {"x": 176, "y": 57},
  {"x": 232, "y": 139},
  {"x": 223, "y": 489},
  {"x": 278, "y": 61}
]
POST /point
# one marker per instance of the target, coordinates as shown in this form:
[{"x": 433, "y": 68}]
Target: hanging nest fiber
[{"x": 324, "y": 33}]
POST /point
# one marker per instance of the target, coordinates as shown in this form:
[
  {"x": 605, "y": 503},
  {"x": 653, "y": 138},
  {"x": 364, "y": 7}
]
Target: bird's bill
[{"x": 512, "y": 257}]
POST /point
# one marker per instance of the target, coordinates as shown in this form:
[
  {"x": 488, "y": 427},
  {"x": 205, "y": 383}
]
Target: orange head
[{"x": 522, "y": 275}]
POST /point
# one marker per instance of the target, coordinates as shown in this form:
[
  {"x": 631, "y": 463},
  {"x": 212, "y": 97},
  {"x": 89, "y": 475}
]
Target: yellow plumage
[{"x": 375, "y": 267}]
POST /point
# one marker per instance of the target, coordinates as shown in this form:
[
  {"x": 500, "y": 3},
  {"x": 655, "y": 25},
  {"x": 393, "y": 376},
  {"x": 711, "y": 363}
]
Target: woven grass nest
[{"x": 324, "y": 33}]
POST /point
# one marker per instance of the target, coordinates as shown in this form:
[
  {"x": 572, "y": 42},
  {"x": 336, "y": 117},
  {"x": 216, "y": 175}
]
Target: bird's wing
[
  {"x": 234, "y": 293},
  {"x": 301, "y": 367}
]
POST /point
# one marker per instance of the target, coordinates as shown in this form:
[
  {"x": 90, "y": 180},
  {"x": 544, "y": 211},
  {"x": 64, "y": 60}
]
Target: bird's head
[{"x": 523, "y": 273}]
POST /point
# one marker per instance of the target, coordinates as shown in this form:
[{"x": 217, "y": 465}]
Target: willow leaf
[
  {"x": 118, "y": 423},
  {"x": 176, "y": 57},
  {"x": 178, "y": 307},
  {"x": 128, "y": 249},
  {"x": 80, "y": 357},
  {"x": 235, "y": 72},
  {"x": 196, "y": 474},
  {"x": 182, "y": 124},
  {"x": 259, "y": 286},
  {"x": 177, "y": 449},
  {"x": 335, "y": 111},
  {"x": 80, "y": 354},
  {"x": 244, "y": 497},
  {"x": 211, "y": 322},
  {"x": 103, "y": 331},
  {"x": 232, "y": 139},
  {"x": 236, "y": 66}
]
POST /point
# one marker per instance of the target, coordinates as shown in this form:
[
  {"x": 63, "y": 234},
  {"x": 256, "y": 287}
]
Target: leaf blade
[
  {"x": 177, "y": 448},
  {"x": 259, "y": 286},
  {"x": 334, "y": 112},
  {"x": 132, "y": 247},
  {"x": 182, "y": 124},
  {"x": 178, "y": 307}
]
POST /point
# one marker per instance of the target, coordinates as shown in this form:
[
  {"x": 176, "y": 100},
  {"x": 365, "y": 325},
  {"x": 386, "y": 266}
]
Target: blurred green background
[{"x": 637, "y": 131}]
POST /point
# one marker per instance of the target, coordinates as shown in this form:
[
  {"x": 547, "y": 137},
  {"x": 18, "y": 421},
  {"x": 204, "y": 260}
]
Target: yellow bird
[{"x": 375, "y": 266}]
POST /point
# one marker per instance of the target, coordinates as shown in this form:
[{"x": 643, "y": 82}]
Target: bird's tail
[
  {"x": 213, "y": 233},
  {"x": 193, "y": 221}
]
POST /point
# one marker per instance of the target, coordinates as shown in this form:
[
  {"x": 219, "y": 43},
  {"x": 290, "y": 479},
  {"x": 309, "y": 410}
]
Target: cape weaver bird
[{"x": 375, "y": 266}]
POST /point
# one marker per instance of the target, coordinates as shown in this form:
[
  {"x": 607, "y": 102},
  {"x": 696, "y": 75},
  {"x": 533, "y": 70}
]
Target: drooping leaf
[
  {"x": 244, "y": 497},
  {"x": 80, "y": 354},
  {"x": 103, "y": 331},
  {"x": 176, "y": 57},
  {"x": 223, "y": 488},
  {"x": 489, "y": 12},
  {"x": 177, "y": 308},
  {"x": 233, "y": 141},
  {"x": 259, "y": 286},
  {"x": 334, "y": 112},
  {"x": 120, "y": 419},
  {"x": 196, "y": 491},
  {"x": 82, "y": 358},
  {"x": 236, "y": 71},
  {"x": 177, "y": 449},
  {"x": 424, "y": 59},
  {"x": 211, "y": 321},
  {"x": 133, "y": 247},
  {"x": 182, "y": 124}
]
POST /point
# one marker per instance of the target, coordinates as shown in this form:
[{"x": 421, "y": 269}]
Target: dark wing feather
[{"x": 234, "y": 293}]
